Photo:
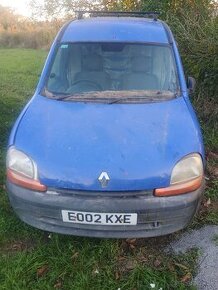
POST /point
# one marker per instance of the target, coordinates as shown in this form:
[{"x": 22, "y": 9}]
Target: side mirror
[{"x": 191, "y": 83}]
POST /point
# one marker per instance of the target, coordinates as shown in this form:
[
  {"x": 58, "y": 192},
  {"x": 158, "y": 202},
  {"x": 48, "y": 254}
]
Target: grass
[
  {"x": 207, "y": 110},
  {"x": 33, "y": 259},
  {"x": 215, "y": 240}
]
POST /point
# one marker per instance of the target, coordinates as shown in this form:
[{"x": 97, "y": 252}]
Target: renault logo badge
[{"x": 104, "y": 179}]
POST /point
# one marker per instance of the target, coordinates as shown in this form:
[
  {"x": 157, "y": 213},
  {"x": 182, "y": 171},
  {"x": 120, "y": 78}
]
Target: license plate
[{"x": 92, "y": 218}]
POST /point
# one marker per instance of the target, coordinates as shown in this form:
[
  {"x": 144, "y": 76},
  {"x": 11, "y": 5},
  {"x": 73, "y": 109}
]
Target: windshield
[{"x": 81, "y": 68}]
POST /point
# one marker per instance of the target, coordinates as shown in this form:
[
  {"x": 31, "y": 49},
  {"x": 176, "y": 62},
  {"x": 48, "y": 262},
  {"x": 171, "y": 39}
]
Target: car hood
[{"x": 136, "y": 144}]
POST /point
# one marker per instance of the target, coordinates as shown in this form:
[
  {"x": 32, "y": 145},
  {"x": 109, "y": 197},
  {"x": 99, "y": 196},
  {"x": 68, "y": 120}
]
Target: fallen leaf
[
  {"x": 212, "y": 155},
  {"x": 124, "y": 246},
  {"x": 157, "y": 263},
  {"x": 96, "y": 271},
  {"x": 171, "y": 267},
  {"x": 18, "y": 246},
  {"x": 182, "y": 266},
  {"x": 143, "y": 259},
  {"x": 58, "y": 284},
  {"x": 121, "y": 258},
  {"x": 215, "y": 172},
  {"x": 131, "y": 241},
  {"x": 117, "y": 275},
  {"x": 186, "y": 278},
  {"x": 130, "y": 265},
  {"x": 75, "y": 255},
  {"x": 208, "y": 202},
  {"x": 42, "y": 271}
]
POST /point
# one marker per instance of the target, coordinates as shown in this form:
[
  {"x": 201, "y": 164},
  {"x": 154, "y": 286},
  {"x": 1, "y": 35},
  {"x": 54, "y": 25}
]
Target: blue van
[{"x": 109, "y": 145}]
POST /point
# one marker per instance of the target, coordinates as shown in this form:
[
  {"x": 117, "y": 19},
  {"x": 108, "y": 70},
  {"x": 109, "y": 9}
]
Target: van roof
[{"x": 115, "y": 29}]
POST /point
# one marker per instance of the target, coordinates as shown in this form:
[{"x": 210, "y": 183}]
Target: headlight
[
  {"x": 187, "y": 176},
  {"x": 187, "y": 169},
  {"x": 21, "y": 163},
  {"x": 22, "y": 170}
]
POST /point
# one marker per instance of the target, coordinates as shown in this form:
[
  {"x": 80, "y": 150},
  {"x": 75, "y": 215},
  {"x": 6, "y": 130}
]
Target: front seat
[
  {"x": 92, "y": 70},
  {"x": 140, "y": 77}
]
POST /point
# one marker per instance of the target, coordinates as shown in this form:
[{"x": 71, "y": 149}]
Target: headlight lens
[
  {"x": 19, "y": 162},
  {"x": 187, "y": 169},
  {"x": 187, "y": 176}
]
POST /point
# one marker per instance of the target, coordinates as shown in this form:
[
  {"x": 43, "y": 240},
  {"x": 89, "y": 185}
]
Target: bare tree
[
  {"x": 52, "y": 9},
  {"x": 7, "y": 18}
]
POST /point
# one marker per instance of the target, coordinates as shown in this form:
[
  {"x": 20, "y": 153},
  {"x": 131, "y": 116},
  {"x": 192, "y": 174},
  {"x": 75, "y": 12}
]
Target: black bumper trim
[{"x": 156, "y": 215}]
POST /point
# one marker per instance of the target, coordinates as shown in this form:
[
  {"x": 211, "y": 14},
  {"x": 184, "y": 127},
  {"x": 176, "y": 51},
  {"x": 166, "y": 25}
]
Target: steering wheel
[{"x": 93, "y": 84}]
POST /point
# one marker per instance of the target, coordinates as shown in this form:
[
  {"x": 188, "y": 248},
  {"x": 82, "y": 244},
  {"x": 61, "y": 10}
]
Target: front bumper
[{"x": 156, "y": 215}]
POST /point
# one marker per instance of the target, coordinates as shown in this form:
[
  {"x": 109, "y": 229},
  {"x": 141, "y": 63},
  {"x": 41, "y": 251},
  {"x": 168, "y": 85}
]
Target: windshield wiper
[
  {"x": 48, "y": 94},
  {"x": 126, "y": 100},
  {"x": 113, "y": 97},
  {"x": 74, "y": 96},
  {"x": 148, "y": 96}
]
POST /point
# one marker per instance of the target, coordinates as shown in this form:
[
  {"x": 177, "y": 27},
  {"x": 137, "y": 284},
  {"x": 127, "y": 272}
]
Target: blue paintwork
[
  {"x": 112, "y": 29},
  {"x": 137, "y": 144}
]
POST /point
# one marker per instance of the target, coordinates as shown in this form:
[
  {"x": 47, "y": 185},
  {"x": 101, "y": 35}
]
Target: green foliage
[
  {"x": 37, "y": 38},
  {"x": 196, "y": 31},
  {"x": 195, "y": 26},
  {"x": 78, "y": 263},
  {"x": 18, "y": 31},
  {"x": 29, "y": 259},
  {"x": 19, "y": 71},
  {"x": 52, "y": 9},
  {"x": 128, "y": 5}
]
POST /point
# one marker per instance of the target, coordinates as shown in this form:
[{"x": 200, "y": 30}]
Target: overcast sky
[{"x": 20, "y": 6}]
